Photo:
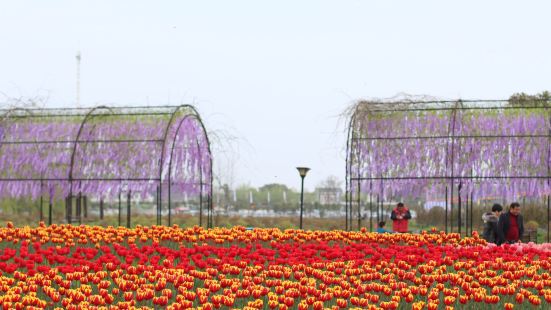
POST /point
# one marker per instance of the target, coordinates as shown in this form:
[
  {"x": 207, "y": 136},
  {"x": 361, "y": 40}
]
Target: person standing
[
  {"x": 400, "y": 217},
  {"x": 490, "y": 219},
  {"x": 510, "y": 225}
]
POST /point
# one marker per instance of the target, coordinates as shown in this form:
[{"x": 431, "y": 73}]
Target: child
[{"x": 381, "y": 229}]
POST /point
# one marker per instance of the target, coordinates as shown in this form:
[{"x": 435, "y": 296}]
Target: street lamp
[{"x": 302, "y": 171}]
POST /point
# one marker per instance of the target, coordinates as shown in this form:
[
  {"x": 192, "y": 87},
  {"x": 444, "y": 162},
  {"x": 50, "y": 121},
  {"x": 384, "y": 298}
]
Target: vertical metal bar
[
  {"x": 160, "y": 214},
  {"x": 41, "y": 208},
  {"x": 451, "y": 208},
  {"x": 128, "y": 205},
  {"x": 459, "y": 207},
  {"x": 210, "y": 211},
  {"x": 370, "y": 211},
  {"x": 467, "y": 219},
  {"x": 348, "y": 171},
  {"x": 389, "y": 209},
  {"x": 160, "y": 198},
  {"x": 301, "y": 200},
  {"x": 383, "y": 215},
  {"x": 201, "y": 206},
  {"x": 348, "y": 206},
  {"x": 381, "y": 200},
  {"x": 169, "y": 202},
  {"x": 119, "y": 207},
  {"x": 452, "y": 162},
  {"x": 377, "y": 205},
  {"x": 347, "y": 199},
  {"x": 50, "y": 212},
  {"x": 359, "y": 187},
  {"x": 85, "y": 205},
  {"x": 382, "y": 207},
  {"x": 79, "y": 208},
  {"x": 359, "y": 206},
  {"x": 472, "y": 199},
  {"x": 101, "y": 208},
  {"x": 548, "y": 211},
  {"x": 80, "y": 197},
  {"x": 41, "y": 201},
  {"x": 469, "y": 214},
  {"x": 158, "y": 211},
  {"x": 201, "y": 198},
  {"x": 466, "y": 214},
  {"x": 446, "y": 213},
  {"x": 69, "y": 208}
]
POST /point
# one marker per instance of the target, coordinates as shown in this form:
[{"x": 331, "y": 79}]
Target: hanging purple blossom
[
  {"x": 117, "y": 150},
  {"x": 416, "y": 149}
]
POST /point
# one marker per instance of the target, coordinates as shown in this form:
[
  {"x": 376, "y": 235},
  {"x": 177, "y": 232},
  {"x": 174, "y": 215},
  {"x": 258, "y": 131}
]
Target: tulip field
[{"x": 93, "y": 267}]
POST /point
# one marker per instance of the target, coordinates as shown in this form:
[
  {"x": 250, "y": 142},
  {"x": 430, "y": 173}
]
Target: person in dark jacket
[
  {"x": 400, "y": 217},
  {"x": 490, "y": 223},
  {"x": 510, "y": 226}
]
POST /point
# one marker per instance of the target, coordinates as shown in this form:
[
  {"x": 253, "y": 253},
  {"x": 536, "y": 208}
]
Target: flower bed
[{"x": 170, "y": 267}]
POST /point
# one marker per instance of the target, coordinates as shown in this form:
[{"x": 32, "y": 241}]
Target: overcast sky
[{"x": 274, "y": 75}]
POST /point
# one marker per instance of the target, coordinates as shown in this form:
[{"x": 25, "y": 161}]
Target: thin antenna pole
[{"x": 78, "y": 79}]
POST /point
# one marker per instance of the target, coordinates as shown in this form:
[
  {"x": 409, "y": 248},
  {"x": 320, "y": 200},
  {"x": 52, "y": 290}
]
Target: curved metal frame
[
  {"x": 161, "y": 165},
  {"x": 90, "y": 114},
  {"x": 450, "y": 176},
  {"x": 86, "y": 118},
  {"x": 209, "y": 206},
  {"x": 69, "y": 198}
]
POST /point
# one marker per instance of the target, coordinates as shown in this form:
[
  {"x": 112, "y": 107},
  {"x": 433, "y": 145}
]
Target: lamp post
[{"x": 302, "y": 171}]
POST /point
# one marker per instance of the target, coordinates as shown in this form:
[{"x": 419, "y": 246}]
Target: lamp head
[{"x": 302, "y": 171}]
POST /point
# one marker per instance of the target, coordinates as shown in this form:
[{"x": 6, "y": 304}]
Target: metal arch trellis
[
  {"x": 160, "y": 190},
  {"x": 197, "y": 118},
  {"x": 364, "y": 139},
  {"x": 50, "y": 116},
  {"x": 69, "y": 199},
  {"x": 89, "y": 115}
]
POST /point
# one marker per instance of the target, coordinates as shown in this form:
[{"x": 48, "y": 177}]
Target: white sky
[{"x": 274, "y": 74}]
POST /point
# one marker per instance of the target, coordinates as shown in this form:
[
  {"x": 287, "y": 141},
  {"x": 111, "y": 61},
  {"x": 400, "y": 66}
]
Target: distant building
[
  {"x": 434, "y": 203},
  {"x": 329, "y": 195}
]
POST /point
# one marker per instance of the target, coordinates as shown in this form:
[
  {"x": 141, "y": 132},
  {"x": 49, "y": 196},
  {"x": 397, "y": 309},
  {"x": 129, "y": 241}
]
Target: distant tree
[
  {"x": 330, "y": 182},
  {"x": 274, "y": 186},
  {"x": 328, "y": 193},
  {"x": 226, "y": 197},
  {"x": 281, "y": 197},
  {"x": 523, "y": 99},
  {"x": 434, "y": 217},
  {"x": 275, "y": 192},
  {"x": 243, "y": 194}
]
